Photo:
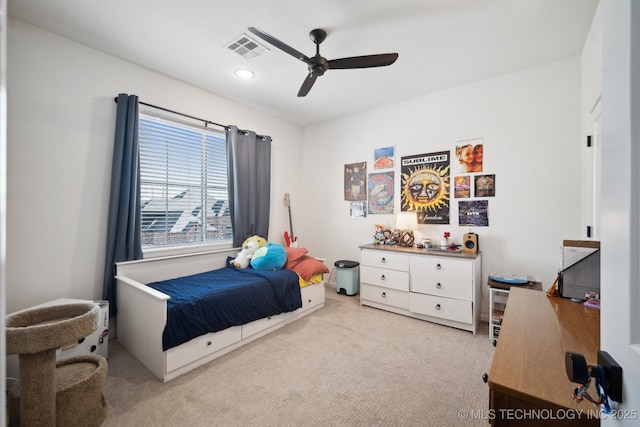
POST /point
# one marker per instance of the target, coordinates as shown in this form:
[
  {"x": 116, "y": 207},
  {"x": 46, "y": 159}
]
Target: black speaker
[{"x": 470, "y": 243}]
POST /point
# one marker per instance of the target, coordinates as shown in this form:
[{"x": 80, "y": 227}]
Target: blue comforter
[{"x": 218, "y": 299}]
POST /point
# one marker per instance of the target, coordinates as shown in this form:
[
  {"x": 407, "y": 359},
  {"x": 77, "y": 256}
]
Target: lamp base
[{"x": 406, "y": 238}]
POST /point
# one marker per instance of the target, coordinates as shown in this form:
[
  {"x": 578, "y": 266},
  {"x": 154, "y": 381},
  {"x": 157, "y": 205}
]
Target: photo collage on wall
[
  {"x": 428, "y": 182},
  {"x": 470, "y": 181},
  {"x": 372, "y": 193}
]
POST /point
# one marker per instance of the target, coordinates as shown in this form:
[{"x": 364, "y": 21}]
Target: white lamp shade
[{"x": 407, "y": 221}]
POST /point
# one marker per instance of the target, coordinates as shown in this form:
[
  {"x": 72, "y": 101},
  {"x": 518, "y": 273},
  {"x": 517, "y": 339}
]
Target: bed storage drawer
[
  {"x": 201, "y": 346},
  {"x": 260, "y": 325},
  {"x": 312, "y": 296}
]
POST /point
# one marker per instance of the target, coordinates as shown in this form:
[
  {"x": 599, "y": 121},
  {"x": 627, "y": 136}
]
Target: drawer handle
[
  {"x": 437, "y": 306},
  {"x": 382, "y": 277},
  {"x": 208, "y": 342},
  {"x": 383, "y": 260},
  {"x": 309, "y": 300},
  {"x": 438, "y": 286},
  {"x": 438, "y": 266},
  {"x": 384, "y": 295}
]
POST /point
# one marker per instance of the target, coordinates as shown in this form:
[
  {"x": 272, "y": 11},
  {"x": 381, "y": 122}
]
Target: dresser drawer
[
  {"x": 444, "y": 308},
  {"x": 385, "y": 296},
  {"x": 441, "y": 276},
  {"x": 201, "y": 346},
  {"x": 392, "y": 279},
  {"x": 385, "y": 259}
]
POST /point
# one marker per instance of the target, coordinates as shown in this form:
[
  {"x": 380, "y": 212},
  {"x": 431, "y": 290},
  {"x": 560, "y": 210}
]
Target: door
[
  {"x": 620, "y": 207},
  {"x": 595, "y": 171}
]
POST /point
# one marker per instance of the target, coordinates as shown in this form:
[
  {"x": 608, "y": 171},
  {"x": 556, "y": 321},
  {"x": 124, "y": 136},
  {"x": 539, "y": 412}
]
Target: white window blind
[{"x": 183, "y": 180}]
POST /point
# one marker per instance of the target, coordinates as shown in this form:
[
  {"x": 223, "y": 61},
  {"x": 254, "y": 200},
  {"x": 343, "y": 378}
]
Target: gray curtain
[
  {"x": 249, "y": 170},
  {"x": 123, "y": 227}
]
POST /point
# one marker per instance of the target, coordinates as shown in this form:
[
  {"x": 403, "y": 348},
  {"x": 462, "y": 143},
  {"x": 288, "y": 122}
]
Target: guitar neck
[{"x": 290, "y": 223}]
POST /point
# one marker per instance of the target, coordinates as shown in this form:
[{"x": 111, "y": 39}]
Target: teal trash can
[{"x": 347, "y": 277}]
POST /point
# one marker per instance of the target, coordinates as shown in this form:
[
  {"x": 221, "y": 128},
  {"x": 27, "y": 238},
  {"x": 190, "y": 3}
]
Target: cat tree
[{"x": 50, "y": 393}]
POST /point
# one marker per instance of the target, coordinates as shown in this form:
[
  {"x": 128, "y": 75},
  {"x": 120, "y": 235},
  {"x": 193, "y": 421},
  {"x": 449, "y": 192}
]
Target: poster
[
  {"x": 462, "y": 186},
  {"x": 485, "y": 185},
  {"x": 380, "y": 192},
  {"x": 358, "y": 209},
  {"x": 469, "y": 156},
  {"x": 425, "y": 186},
  {"x": 384, "y": 158},
  {"x": 355, "y": 182},
  {"x": 473, "y": 213}
]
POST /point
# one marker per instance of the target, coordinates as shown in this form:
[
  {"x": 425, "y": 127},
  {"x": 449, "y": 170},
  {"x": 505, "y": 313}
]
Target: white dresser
[{"x": 437, "y": 286}]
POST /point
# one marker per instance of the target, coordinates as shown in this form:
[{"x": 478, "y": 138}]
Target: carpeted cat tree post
[{"x": 65, "y": 393}]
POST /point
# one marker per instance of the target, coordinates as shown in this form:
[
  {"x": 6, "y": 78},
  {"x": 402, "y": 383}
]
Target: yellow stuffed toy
[{"x": 249, "y": 247}]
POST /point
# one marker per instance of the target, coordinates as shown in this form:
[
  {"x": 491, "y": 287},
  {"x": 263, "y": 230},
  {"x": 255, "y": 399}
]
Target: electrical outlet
[{"x": 613, "y": 375}]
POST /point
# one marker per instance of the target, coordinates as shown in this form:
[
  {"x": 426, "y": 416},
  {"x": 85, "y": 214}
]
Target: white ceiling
[{"x": 441, "y": 44}]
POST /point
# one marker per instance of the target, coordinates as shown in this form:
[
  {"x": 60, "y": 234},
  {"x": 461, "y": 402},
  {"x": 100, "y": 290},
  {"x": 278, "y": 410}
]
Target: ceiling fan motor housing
[{"x": 319, "y": 66}]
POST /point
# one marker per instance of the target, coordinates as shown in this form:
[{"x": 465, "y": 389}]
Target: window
[{"x": 183, "y": 183}]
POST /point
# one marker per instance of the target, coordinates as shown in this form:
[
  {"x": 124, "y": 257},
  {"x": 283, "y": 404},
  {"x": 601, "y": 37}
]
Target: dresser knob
[
  {"x": 384, "y": 295},
  {"x": 208, "y": 342},
  {"x": 438, "y": 286},
  {"x": 382, "y": 277},
  {"x": 383, "y": 260},
  {"x": 438, "y": 267},
  {"x": 437, "y": 306},
  {"x": 309, "y": 301}
]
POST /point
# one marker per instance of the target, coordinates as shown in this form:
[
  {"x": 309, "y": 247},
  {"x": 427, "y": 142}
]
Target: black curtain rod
[
  {"x": 191, "y": 117},
  {"x": 175, "y": 112}
]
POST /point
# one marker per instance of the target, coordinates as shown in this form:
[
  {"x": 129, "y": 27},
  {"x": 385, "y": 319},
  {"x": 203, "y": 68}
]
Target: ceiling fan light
[{"x": 243, "y": 73}]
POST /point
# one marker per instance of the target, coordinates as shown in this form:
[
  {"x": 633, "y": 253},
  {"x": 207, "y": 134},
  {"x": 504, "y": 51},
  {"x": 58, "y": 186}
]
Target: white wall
[
  {"x": 530, "y": 121},
  {"x": 60, "y": 139},
  {"x": 61, "y": 115}
]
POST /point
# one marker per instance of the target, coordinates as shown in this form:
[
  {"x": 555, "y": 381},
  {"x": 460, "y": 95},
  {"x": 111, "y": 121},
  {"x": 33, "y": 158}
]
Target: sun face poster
[{"x": 425, "y": 186}]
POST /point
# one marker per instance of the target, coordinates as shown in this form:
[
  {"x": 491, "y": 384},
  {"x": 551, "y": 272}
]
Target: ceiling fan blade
[
  {"x": 280, "y": 45},
  {"x": 363, "y": 61},
  {"x": 307, "y": 84}
]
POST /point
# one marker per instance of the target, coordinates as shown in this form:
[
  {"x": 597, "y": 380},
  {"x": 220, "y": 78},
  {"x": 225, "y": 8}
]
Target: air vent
[{"x": 246, "y": 47}]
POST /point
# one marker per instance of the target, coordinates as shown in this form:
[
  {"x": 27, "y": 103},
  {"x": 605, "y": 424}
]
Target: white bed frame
[{"x": 142, "y": 314}]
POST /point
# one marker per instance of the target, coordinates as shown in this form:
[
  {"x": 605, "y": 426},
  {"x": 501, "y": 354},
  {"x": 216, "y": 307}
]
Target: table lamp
[{"x": 406, "y": 222}]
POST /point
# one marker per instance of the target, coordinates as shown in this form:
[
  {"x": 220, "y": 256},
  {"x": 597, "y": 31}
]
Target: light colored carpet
[{"x": 344, "y": 365}]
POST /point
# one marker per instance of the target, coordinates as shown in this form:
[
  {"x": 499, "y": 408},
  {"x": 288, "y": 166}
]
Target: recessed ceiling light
[{"x": 243, "y": 73}]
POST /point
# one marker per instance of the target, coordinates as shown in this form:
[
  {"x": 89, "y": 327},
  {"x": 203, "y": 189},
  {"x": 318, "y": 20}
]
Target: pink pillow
[
  {"x": 307, "y": 266},
  {"x": 294, "y": 255}
]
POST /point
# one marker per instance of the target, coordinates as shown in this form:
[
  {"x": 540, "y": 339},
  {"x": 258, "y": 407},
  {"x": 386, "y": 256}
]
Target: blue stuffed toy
[{"x": 271, "y": 256}]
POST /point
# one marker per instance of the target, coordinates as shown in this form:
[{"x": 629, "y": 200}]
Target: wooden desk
[{"x": 528, "y": 378}]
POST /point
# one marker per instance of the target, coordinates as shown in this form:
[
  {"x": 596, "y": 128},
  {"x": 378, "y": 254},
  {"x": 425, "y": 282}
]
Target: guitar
[{"x": 292, "y": 242}]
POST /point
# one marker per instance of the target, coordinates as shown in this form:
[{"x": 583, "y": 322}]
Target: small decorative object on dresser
[
  {"x": 406, "y": 222},
  {"x": 440, "y": 287}
]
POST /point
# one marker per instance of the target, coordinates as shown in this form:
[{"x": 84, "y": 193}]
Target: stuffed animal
[
  {"x": 243, "y": 258},
  {"x": 249, "y": 247},
  {"x": 271, "y": 256},
  {"x": 261, "y": 241}
]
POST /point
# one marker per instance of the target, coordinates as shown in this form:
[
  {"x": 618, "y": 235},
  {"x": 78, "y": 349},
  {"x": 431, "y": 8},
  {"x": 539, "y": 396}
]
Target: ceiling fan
[{"x": 318, "y": 65}]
